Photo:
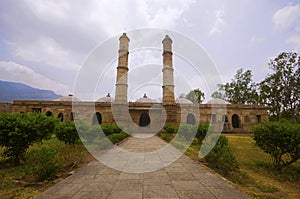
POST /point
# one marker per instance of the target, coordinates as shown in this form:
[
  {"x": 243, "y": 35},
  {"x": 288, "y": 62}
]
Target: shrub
[
  {"x": 187, "y": 131},
  {"x": 166, "y": 137},
  {"x": 115, "y": 138},
  {"x": 109, "y": 129},
  {"x": 170, "y": 129},
  {"x": 89, "y": 133},
  {"x": 44, "y": 166},
  {"x": 201, "y": 132},
  {"x": 19, "y": 131},
  {"x": 221, "y": 158},
  {"x": 279, "y": 139},
  {"x": 66, "y": 132}
]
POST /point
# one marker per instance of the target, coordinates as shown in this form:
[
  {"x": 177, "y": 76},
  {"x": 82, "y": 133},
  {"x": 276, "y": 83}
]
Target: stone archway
[
  {"x": 145, "y": 120},
  {"x": 190, "y": 119},
  {"x": 97, "y": 118},
  {"x": 60, "y": 116},
  {"x": 235, "y": 120},
  {"x": 49, "y": 113}
]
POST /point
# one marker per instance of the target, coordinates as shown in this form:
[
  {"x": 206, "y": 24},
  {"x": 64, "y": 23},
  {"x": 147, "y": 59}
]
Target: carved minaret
[
  {"x": 168, "y": 79},
  {"x": 122, "y": 70}
]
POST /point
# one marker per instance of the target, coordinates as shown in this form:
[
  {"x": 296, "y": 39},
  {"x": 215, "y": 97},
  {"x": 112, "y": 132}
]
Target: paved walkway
[{"x": 181, "y": 179}]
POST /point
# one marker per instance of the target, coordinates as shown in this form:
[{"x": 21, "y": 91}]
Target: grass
[
  {"x": 256, "y": 177},
  {"x": 264, "y": 181},
  {"x": 19, "y": 181}
]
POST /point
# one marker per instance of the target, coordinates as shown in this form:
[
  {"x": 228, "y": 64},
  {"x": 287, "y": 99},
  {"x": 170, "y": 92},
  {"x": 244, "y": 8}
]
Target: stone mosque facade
[{"x": 146, "y": 112}]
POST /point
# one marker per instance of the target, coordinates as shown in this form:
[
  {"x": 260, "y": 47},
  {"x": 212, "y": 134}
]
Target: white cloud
[
  {"x": 14, "y": 72},
  {"x": 287, "y": 17},
  {"x": 110, "y": 17},
  {"x": 257, "y": 39},
  {"x": 219, "y": 22},
  {"x": 45, "y": 50}
]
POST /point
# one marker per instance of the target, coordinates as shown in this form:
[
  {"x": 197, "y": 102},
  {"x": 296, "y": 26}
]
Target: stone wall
[
  {"x": 229, "y": 117},
  {"x": 5, "y": 107}
]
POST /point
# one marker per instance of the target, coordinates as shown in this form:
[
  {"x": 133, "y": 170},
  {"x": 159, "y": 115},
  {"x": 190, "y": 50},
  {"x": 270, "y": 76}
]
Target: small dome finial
[{"x": 124, "y": 36}]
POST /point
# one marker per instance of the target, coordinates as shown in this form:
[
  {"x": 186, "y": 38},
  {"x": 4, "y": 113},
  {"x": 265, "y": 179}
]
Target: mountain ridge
[{"x": 10, "y": 91}]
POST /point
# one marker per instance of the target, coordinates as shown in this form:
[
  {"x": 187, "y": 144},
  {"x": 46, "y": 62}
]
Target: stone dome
[
  {"x": 67, "y": 98},
  {"x": 183, "y": 100},
  {"x": 107, "y": 98},
  {"x": 217, "y": 101},
  {"x": 145, "y": 99}
]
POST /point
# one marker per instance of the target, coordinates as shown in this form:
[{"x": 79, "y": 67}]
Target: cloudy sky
[{"x": 44, "y": 43}]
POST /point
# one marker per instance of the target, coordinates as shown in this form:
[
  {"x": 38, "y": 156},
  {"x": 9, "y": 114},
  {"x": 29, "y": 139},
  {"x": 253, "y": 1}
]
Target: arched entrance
[
  {"x": 190, "y": 119},
  {"x": 60, "y": 116},
  {"x": 49, "y": 113},
  {"x": 235, "y": 120},
  {"x": 144, "y": 120},
  {"x": 97, "y": 118},
  {"x": 72, "y": 116},
  {"x": 224, "y": 118},
  {"x": 226, "y": 124}
]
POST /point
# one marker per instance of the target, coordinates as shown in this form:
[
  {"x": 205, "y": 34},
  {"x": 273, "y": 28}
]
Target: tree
[
  {"x": 241, "y": 90},
  {"x": 280, "y": 91},
  {"x": 218, "y": 95},
  {"x": 67, "y": 132},
  {"x": 279, "y": 139},
  {"x": 221, "y": 158},
  {"x": 196, "y": 96},
  {"x": 19, "y": 131}
]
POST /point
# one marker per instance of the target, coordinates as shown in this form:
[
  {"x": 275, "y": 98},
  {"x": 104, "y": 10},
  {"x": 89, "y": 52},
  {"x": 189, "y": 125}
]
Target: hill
[{"x": 10, "y": 91}]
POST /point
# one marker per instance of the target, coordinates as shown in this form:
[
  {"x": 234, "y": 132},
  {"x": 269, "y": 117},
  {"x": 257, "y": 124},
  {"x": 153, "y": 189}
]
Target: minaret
[
  {"x": 168, "y": 79},
  {"x": 122, "y": 70}
]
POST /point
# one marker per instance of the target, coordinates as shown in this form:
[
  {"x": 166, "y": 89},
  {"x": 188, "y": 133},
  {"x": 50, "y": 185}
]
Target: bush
[
  {"x": 221, "y": 158},
  {"x": 201, "y": 132},
  {"x": 187, "y": 131},
  {"x": 89, "y": 133},
  {"x": 170, "y": 129},
  {"x": 115, "y": 138},
  {"x": 166, "y": 137},
  {"x": 19, "y": 131},
  {"x": 279, "y": 139},
  {"x": 109, "y": 129},
  {"x": 44, "y": 166},
  {"x": 66, "y": 132}
]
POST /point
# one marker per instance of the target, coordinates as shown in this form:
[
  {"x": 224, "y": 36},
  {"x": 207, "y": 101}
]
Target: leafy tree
[
  {"x": 44, "y": 165},
  {"x": 241, "y": 90},
  {"x": 221, "y": 158},
  {"x": 280, "y": 91},
  {"x": 66, "y": 132},
  {"x": 218, "y": 95},
  {"x": 19, "y": 131},
  {"x": 279, "y": 139},
  {"x": 196, "y": 96},
  {"x": 201, "y": 132}
]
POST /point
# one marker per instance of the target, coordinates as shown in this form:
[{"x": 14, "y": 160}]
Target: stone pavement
[{"x": 183, "y": 178}]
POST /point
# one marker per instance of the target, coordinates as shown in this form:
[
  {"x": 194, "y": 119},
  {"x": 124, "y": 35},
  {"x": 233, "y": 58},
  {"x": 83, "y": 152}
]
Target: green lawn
[
  {"x": 19, "y": 181},
  {"x": 264, "y": 181},
  {"x": 256, "y": 178}
]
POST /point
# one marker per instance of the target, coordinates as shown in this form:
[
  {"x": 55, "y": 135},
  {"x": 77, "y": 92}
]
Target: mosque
[{"x": 145, "y": 112}]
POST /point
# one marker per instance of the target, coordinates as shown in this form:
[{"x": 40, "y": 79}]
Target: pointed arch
[
  {"x": 190, "y": 119},
  {"x": 60, "y": 116},
  {"x": 97, "y": 118},
  {"x": 235, "y": 120},
  {"x": 49, "y": 113},
  {"x": 145, "y": 120}
]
